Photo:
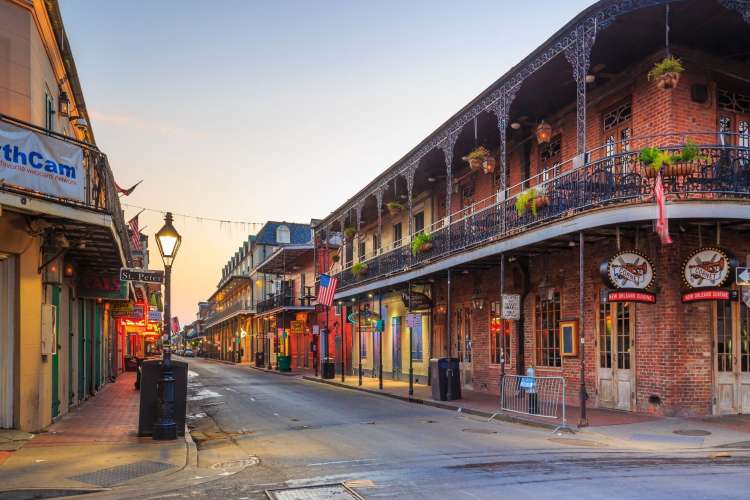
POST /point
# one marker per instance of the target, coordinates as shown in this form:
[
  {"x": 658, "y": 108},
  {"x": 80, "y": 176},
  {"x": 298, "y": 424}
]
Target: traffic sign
[
  {"x": 127, "y": 274},
  {"x": 743, "y": 276}
]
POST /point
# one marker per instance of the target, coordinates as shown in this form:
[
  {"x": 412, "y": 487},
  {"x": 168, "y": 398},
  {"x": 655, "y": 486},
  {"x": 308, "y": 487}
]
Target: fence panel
[{"x": 534, "y": 396}]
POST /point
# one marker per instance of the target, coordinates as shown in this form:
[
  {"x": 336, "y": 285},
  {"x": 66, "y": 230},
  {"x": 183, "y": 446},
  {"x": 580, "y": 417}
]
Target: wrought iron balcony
[
  {"x": 718, "y": 172},
  {"x": 286, "y": 300},
  {"x": 240, "y": 307}
]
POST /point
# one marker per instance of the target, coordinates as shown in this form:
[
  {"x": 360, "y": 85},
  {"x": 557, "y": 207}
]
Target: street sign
[
  {"x": 127, "y": 274},
  {"x": 511, "y": 306},
  {"x": 742, "y": 277},
  {"x": 412, "y": 319},
  {"x": 154, "y": 316}
]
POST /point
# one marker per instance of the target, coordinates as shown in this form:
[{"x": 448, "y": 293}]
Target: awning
[{"x": 285, "y": 259}]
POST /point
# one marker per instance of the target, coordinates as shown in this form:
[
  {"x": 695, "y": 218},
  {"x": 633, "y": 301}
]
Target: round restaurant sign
[
  {"x": 630, "y": 269},
  {"x": 706, "y": 268}
]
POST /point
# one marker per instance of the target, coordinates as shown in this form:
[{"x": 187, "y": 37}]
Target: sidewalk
[
  {"x": 93, "y": 447},
  {"x": 617, "y": 428}
]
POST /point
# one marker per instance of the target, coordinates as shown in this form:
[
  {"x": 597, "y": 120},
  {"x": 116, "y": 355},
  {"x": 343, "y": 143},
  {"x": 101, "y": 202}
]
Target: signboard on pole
[
  {"x": 41, "y": 163},
  {"x": 297, "y": 327},
  {"x": 127, "y": 274},
  {"x": 511, "y": 306},
  {"x": 742, "y": 278}
]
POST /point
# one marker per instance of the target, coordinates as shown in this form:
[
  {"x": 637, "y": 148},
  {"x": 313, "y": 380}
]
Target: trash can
[
  {"x": 150, "y": 373},
  {"x": 283, "y": 363},
  {"x": 259, "y": 359},
  {"x": 445, "y": 379},
  {"x": 329, "y": 369}
]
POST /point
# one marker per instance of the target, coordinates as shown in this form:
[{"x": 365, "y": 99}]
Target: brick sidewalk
[{"x": 109, "y": 417}]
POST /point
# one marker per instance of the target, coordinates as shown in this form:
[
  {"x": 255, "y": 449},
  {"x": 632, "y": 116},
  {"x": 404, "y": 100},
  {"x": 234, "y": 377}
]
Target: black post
[
  {"x": 359, "y": 338},
  {"x": 447, "y": 347},
  {"x": 165, "y": 427},
  {"x": 411, "y": 350},
  {"x": 502, "y": 321},
  {"x": 380, "y": 341},
  {"x": 584, "y": 422}
]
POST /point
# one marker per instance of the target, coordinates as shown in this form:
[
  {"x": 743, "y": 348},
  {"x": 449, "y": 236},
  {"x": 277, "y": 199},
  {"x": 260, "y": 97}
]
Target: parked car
[{"x": 188, "y": 353}]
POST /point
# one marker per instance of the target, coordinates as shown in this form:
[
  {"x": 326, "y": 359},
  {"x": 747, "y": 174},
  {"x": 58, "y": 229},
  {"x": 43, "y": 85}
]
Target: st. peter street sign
[{"x": 127, "y": 274}]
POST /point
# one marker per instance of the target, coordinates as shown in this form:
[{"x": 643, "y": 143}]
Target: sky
[{"x": 278, "y": 110}]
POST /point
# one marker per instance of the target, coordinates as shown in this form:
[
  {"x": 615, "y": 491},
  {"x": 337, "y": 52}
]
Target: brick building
[{"x": 559, "y": 208}]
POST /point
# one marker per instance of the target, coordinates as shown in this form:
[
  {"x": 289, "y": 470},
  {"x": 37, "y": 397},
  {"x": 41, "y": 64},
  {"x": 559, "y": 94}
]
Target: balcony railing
[
  {"x": 242, "y": 305},
  {"x": 719, "y": 172},
  {"x": 286, "y": 300}
]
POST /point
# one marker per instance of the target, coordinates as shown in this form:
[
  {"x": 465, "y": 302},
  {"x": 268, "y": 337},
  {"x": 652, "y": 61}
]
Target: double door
[
  {"x": 616, "y": 342},
  {"x": 732, "y": 357}
]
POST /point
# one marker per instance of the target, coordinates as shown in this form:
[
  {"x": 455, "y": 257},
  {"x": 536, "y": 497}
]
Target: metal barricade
[{"x": 535, "y": 396}]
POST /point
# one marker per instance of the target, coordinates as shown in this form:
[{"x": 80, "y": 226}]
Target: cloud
[{"x": 145, "y": 125}]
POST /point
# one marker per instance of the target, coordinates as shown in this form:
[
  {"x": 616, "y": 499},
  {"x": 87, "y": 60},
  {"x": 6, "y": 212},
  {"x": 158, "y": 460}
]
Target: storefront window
[
  {"x": 724, "y": 336},
  {"x": 605, "y": 336},
  {"x": 416, "y": 341},
  {"x": 498, "y": 341},
  {"x": 548, "y": 330},
  {"x": 363, "y": 344}
]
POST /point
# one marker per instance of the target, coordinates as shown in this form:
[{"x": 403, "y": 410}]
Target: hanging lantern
[
  {"x": 477, "y": 301},
  {"x": 543, "y": 133}
]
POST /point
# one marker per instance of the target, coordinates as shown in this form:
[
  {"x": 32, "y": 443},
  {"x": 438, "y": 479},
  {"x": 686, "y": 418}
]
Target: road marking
[
  {"x": 204, "y": 394},
  {"x": 341, "y": 462},
  {"x": 191, "y": 373},
  {"x": 230, "y": 389}
]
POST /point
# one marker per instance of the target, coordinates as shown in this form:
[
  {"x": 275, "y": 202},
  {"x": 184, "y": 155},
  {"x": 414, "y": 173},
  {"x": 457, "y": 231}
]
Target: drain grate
[
  {"x": 114, "y": 475},
  {"x": 480, "y": 431},
  {"x": 322, "y": 492},
  {"x": 577, "y": 442},
  {"x": 691, "y": 432}
]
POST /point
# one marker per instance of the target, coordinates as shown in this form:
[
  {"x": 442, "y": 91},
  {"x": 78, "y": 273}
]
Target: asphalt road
[{"x": 304, "y": 433}]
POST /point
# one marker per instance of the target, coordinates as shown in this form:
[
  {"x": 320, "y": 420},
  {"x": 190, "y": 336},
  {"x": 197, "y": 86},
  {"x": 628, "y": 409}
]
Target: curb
[
  {"x": 275, "y": 372},
  {"x": 443, "y": 406}
]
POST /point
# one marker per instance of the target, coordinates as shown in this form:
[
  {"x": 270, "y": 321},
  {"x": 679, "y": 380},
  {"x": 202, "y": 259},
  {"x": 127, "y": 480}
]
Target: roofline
[{"x": 278, "y": 251}]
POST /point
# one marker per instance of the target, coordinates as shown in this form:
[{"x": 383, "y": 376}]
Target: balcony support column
[
  {"x": 578, "y": 54},
  {"x": 409, "y": 175},
  {"x": 358, "y": 213},
  {"x": 501, "y": 108},
  {"x": 379, "y": 201},
  {"x": 447, "y": 146}
]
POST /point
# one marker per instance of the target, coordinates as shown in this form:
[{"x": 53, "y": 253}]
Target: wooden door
[
  {"x": 616, "y": 347},
  {"x": 732, "y": 358}
]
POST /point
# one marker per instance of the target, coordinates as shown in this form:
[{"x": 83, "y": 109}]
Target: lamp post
[{"x": 168, "y": 240}]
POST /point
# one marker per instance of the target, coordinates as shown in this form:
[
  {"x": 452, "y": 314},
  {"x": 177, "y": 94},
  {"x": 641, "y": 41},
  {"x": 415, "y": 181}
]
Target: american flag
[
  {"x": 327, "y": 289},
  {"x": 662, "y": 222},
  {"x": 135, "y": 234}
]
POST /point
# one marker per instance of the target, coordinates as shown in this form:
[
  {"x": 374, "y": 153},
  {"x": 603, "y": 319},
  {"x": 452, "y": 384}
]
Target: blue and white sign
[
  {"x": 40, "y": 163},
  {"x": 154, "y": 316}
]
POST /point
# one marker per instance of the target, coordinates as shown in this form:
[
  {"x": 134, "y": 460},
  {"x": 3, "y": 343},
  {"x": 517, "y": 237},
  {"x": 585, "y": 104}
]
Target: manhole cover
[
  {"x": 480, "y": 431},
  {"x": 577, "y": 442},
  {"x": 114, "y": 475},
  {"x": 691, "y": 432},
  {"x": 322, "y": 492}
]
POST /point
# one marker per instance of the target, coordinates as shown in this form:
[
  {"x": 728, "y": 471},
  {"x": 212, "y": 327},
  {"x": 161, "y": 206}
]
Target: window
[
  {"x": 282, "y": 234},
  {"x": 499, "y": 343},
  {"x": 550, "y": 157},
  {"x": 363, "y": 344},
  {"x": 605, "y": 336},
  {"x": 337, "y": 309},
  {"x": 416, "y": 340},
  {"x": 548, "y": 330},
  {"x": 617, "y": 127},
  {"x": 419, "y": 222},
  {"x": 349, "y": 251},
  {"x": 397, "y": 235},
  {"x": 362, "y": 250},
  {"x": 49, "y": 112},
  {"x": 375, "y": 245}
]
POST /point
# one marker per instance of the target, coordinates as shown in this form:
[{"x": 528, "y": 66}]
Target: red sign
[
  {"x": 706, "y": 295},
  {"x": 626, "y": 296}
]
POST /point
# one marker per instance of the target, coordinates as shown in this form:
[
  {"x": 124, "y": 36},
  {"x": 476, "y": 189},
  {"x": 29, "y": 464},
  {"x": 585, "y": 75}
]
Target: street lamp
[{"x": 168, "y": 240}]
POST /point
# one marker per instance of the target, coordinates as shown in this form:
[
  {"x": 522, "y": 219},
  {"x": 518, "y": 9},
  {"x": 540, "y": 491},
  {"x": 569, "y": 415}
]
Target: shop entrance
[
  {"x": 616, "y": 346},
  {"x": 8, "y": 340},
  {"x": 732, "y": 358},
  {"x": 396, "y": 342},
  {"x": 463, "y": 348}
]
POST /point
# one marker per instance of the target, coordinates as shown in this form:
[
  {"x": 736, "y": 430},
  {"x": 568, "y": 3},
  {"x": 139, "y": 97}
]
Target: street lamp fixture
[{"x": 168, "y": 240}]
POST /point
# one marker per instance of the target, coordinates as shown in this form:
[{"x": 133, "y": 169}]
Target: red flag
[
  {"x": 127, "y": 191},
  {"x": 175, "y": 324},
  {"x": 135, "y": 234},
  {"x": 662, "y": 221}
]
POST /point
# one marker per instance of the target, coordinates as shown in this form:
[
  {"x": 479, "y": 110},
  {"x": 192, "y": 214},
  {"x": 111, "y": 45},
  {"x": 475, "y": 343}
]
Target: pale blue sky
[{"x": 258, "y": 110}]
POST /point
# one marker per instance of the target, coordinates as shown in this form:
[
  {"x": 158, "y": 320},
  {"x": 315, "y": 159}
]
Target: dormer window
[{"x": 282, "y": 234}]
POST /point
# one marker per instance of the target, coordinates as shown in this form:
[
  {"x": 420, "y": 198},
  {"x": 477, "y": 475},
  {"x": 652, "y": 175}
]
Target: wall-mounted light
[
  {"x": 63, "y": 104},
  {"x": 590, "y": 78},
  {"x": 68, "y": 270},
  {"x": 515, "y": 125},
  {"x": 477, "y": 301},
  {"x": 431, "y": 179},
  {"x": 543, "y": 132}
]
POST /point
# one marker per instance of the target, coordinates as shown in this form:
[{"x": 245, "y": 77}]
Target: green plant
[
  {"x": 359, "y": 269},
  {"x": 479, "y": 153},
  {"x": 420, "y": 240},
  {"x": 665, "y": 66},
  {"x": 349, "y": 232},
  {"x": 394, "y": 206},
  {"x": 656, "y": 158},
  {"x": 526, "y": 199},
  {"x": 335, "y": 257}
]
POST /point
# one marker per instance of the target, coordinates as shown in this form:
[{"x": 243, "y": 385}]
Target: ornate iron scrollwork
[{"x": 741, "y": 6}]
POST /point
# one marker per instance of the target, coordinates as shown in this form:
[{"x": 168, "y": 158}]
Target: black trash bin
[
  {"x": 150, "y": 373},
  {"x": 259, "y": 359},
  {"x": 329, "y": 369},
  {"x": 445, "y": 379}
]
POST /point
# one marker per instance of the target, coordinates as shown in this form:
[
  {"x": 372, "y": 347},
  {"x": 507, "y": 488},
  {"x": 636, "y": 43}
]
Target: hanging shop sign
[
  {"x": 629, "y": 270},
  {"x": 102, "y": 286},
  {"x": 631, "y": 296},
  {"x": 368, "y": 317},
  {"x": 709, "y": 294},
  {"x": 707, "y": 268},
  {"x": 154, "y": 316},
  {"x": 41, "y": 163},
  {"x": 297, "y": 327},
  {"x": 511, "y": 306},
  {"x": 140, "y": 275},
  {"x": 121, "y": 309},
  {"x": 419, "y": 301}
]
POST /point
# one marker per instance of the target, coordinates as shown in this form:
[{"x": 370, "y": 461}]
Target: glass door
[
  {"x": 616, "y": 346},
  {"x": 732, "y": 358}
]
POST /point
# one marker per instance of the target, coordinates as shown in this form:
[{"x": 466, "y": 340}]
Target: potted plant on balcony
[
  {"x": 335, "y": 258},
  {"x": 666, "y": 73},
  {"x": 359, "y": 269},
  {"x": 394, "y": 208},
  {"x": 532, "y": 198},
  {"x": 674, "y": 165},
  {"x": 422, "y": 243},
  {"x": 480, "y": 157},
  {"x": 350, "y": 232}
]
